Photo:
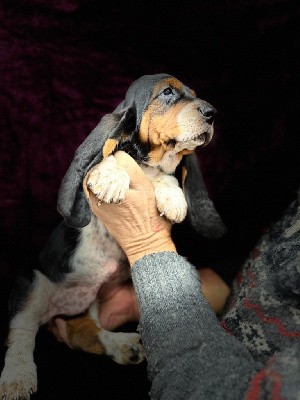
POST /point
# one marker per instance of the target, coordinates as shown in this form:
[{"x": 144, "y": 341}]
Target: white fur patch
[
  {"x": 192, "y": 127},
  {"x": 169, "y": 161},
  {"x": 170, "y": 198},
  {"x": 19, "y": 377},
  {"x": 124, "y": 348},
  {"x": 108, "y": 181}
]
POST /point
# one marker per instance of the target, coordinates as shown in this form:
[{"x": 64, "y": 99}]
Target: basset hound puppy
[{"x": 159, "y": 123}]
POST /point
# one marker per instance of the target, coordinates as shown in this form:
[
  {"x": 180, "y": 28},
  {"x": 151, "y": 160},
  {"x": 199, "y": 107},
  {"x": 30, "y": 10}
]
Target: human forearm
[
  {"x": 165, "y": 286},
  {"x": 186, "y": 349}
]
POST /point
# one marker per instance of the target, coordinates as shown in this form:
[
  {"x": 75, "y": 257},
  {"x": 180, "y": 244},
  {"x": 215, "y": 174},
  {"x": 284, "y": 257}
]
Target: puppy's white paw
[
  {"x": 18, "y": 381},
  {"x": 171, "y": 203},
  {"x": 123, "y": 348},
  {"x": 108, "y": 181}
]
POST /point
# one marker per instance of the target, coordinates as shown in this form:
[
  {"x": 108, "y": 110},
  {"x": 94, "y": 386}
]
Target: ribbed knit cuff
[{"x": 175, "y": 317}]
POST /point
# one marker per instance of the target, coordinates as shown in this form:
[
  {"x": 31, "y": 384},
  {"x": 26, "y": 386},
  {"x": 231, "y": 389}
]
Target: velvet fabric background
[{"x": 65, "y": 63}]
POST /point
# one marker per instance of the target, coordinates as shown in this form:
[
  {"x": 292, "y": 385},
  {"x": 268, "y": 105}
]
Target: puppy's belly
[
  {"x": 74, "y": 295},
  {"x": 72, "y": 300}
]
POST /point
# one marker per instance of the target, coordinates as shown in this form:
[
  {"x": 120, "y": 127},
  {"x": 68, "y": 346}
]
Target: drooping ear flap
[
  {"x": 201, "y": 212},
  {"x": 72, "y": 203}
]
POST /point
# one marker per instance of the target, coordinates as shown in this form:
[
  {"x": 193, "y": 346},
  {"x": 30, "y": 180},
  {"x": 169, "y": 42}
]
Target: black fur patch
[
  {"x": 133, "y": 146},
  {"x": 54, "y": 260},
  {"x": 20, "y": 290}
]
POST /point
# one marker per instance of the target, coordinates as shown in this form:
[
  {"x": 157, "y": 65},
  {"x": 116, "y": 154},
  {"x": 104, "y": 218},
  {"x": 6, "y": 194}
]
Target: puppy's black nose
[{"x": 208, "y": 112}]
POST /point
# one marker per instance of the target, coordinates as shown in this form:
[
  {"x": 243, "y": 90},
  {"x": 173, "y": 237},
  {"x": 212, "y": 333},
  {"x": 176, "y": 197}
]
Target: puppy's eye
[{"x": 168, "y": 91}]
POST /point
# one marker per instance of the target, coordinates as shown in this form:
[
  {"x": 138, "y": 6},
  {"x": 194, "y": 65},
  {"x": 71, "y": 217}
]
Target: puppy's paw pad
[{"x": 108, "y": 181}]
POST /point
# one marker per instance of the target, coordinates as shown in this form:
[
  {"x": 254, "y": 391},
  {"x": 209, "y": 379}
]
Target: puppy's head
[
  {"x": 170, "y": 121},
  {"x": 160, "y": 123}
]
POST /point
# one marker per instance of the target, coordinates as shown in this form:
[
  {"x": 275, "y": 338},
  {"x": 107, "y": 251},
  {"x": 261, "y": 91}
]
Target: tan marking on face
[
  {"x": 185, "y": 152},
  {"x": 159, "y": 123},
  {"x": 145, "y": 123},
  {"x": 156, "y": 154},
  {"x": 175, "y": 83},
  {"x": 83, "y": 335},
  {"x": 172, "y": 130},
  {"x": 109, "y": 147},
  {"x": 155, "y": 117}
]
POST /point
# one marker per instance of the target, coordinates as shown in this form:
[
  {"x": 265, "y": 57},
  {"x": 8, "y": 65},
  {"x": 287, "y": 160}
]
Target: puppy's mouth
[
  {"x": 203, "y": 139},
  {"x": 190, "y": 143}
]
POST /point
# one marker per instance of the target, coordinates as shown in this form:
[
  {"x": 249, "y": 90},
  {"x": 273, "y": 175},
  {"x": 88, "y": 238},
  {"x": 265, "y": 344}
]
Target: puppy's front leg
[
  {"x": 19, "y": 378},
  {"x": 170, "y": 198},
  {"x": 108, "y": 181}
]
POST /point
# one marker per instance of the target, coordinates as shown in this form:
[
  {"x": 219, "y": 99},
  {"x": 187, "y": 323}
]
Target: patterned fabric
[
  {"x": 263, "y": 310},
  {"x": 279, "y": 379}
]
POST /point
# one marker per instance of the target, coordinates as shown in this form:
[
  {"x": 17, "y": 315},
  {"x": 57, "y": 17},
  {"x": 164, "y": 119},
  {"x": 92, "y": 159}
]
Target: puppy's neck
[
  {"x": 151, "y": 171},
  {"x": 167, "y": 164}
]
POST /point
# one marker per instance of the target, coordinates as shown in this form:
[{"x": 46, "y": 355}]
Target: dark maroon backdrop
[{"x": 65, "y": 63}]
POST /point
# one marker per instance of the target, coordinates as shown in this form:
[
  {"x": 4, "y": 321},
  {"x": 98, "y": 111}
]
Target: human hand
[{"x": 135, "y": 223}]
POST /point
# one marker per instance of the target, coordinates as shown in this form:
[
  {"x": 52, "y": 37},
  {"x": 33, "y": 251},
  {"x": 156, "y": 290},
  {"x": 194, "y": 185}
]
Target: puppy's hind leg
[
  {"x": 84, "y": 333},
  {"x": 19, "y": 378}
]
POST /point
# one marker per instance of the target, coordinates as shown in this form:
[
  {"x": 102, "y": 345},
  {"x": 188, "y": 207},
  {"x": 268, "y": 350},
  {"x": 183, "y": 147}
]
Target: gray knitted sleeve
[{"x": 189, "y": 355}]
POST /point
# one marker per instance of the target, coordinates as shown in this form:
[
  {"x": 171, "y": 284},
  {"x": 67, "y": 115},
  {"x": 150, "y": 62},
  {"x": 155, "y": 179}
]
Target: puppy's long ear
[
  {"x": 72, "y": 203},
  {"x": 201, "y": 212}
]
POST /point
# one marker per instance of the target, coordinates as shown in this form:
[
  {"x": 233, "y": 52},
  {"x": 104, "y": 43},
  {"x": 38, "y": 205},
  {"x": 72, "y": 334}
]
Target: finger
[
  {"x": 62, "y": 329},
  {"x": 52, "y": 327},
  {"x": 138, "y": 179}
]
